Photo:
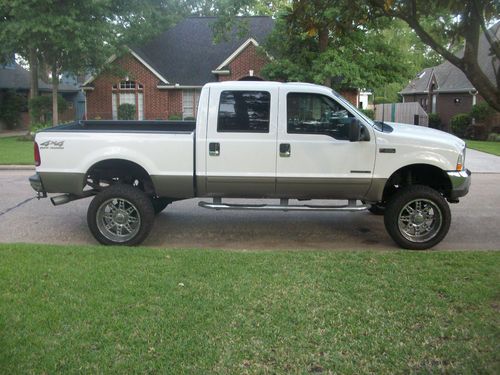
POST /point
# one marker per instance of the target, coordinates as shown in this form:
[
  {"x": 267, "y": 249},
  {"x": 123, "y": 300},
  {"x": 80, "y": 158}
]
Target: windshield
[{"x": 352, "y": 108}]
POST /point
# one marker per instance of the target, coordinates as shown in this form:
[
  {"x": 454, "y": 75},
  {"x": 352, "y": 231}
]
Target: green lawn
[
  {"x": 485, "y": 146},
  {"x": 142, "y": 310},
  {"x": 13, "y": 151}
]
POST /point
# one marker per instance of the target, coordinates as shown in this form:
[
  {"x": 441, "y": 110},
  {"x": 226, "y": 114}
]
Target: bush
[
  {"x": 175, "y": 117},
  {"x": 435, "y": 121},
  {"x": 459, "y": 124},
  {"x": 41, "y": 108},
  {"x": 495, "y": 129},
  {"x": 369, "y": 112},
  {"x": 39, "y": 126},
  {"x": 476, "y": 131},
  {"x": 381, "y": 100},
  {"x": 481, "y": 111},
  {"x": 126, "y": 111},
  {"x": 494, "y": 137},
  {"x": 11, "y": 106}
]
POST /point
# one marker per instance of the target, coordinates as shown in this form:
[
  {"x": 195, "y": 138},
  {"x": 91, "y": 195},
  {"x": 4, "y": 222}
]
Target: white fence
[{"x": 405, "y": 113}]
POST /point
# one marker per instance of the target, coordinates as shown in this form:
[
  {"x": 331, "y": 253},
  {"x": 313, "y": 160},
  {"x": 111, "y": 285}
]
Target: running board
[{"x": 283, "y": 206}]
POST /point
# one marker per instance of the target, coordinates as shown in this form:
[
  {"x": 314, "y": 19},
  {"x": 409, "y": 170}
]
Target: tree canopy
[{"x": 445, "y": 26}]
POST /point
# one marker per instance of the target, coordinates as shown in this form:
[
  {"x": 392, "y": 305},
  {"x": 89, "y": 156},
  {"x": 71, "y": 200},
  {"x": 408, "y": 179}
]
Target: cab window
[
  {"x": 244, "y": 111},
  {"x": 317, "y": 114}
]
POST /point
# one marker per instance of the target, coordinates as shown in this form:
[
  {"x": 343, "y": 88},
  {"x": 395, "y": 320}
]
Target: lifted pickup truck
[{"x": 256, "y": 140}]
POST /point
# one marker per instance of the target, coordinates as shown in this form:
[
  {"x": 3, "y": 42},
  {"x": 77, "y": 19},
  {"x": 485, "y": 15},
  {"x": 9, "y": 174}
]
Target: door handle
[
  {"x": 214, "y": 149},
  {"x": 285, "y": 150}
]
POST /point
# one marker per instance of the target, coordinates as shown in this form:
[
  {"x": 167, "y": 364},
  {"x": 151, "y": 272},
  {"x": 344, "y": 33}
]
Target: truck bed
[{"x": 125, "y": 126}]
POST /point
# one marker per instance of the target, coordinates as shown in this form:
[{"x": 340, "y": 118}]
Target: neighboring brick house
[
  {"x": 163, "y": 78},
  {"x": 14, "y": 78},
  {"x": 444, "y": 89}
]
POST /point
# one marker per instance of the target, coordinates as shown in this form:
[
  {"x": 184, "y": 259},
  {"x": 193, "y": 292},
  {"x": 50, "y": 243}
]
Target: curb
[{"x": 17, "y": 167}]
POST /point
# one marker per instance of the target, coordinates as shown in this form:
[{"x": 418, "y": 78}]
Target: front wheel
[
  {"x": 120, "y": 215},
  {"x": 417, "y": 217}
]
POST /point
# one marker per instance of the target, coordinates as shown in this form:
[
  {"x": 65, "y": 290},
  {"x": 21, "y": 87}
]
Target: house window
[
  {"x": 128, "y": 92},
  {"x": 190, "y": 100}
]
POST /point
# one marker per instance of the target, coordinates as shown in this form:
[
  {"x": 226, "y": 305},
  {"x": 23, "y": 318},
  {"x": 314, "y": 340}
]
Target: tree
[
  {"x": 452, "y": 21},
  {"x": 77, "y": 36},
  {"x": 443, "y": 25}
]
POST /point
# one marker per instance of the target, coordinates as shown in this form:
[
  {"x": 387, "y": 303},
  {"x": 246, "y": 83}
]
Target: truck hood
[{"x": 428, "y": 136}]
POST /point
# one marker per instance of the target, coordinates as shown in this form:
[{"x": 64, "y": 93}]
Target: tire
[
  {"x": 417, "y": 217},
  {"x": 377, "y": 209},
  {"x": 120, "y": 215},
  {"x": 159, "y": 204}
]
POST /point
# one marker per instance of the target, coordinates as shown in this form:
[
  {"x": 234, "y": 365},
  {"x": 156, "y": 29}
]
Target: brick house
[
  {"x": 15, "y": 78},
  {"x": 444, "y": 89},
  {"x": 163, "y": 78}
]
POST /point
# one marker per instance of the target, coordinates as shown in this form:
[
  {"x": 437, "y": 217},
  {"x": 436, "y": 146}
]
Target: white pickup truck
[{"x": 256, "y": 140}]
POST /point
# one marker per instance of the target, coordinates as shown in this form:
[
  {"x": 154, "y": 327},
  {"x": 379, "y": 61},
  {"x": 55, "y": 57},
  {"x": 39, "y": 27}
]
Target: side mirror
[{"x": 357, "y": 132}]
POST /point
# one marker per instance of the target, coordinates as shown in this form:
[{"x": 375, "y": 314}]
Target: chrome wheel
[
  {"x": 420, "y": 220},
  {"x": 118, "y": 219}
]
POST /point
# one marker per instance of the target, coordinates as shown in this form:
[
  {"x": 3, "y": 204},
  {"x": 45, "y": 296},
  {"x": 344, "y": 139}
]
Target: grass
[
  {"x": 13, "y": 151},
  {"x": 485, "y": 146},
  {"x": 135, "y": 310}
]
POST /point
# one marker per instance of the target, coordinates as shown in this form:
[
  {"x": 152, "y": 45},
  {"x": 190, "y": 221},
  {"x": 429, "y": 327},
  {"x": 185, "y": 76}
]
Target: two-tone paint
[{"x": 250, "y": 164}]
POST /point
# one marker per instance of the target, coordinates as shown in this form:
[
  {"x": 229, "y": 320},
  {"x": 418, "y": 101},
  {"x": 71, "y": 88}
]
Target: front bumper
[{"x": 460, "y": 183}]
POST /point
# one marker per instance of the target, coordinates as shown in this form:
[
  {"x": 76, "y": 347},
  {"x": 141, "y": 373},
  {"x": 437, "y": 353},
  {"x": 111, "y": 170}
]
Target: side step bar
[{"x": 283, "y": 206}]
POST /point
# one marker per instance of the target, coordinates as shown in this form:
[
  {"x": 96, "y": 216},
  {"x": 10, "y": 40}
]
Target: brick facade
[
  {"x": 159, "y": 104},
  {"x": 99, "y": 102},
  {"x": 248, "y": 59}
]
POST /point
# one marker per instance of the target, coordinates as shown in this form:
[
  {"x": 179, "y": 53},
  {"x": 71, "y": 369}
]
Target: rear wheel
[
  {"x": 417, "y": 217},
  {"x": 120, "y": 215}
]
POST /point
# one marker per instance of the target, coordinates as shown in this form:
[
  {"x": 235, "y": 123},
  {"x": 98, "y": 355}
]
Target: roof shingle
[{"x": 186, "y": 54}]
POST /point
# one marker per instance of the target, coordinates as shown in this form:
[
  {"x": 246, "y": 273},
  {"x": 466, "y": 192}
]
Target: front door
[
  {"x": 241, "y": 149},
  {"x": 316, "y": 159}
]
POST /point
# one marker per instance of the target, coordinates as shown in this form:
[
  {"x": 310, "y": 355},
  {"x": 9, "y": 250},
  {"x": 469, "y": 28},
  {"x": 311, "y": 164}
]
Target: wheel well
[
  {"x": 113, "y": 171},
  {"x": 418, "y": 174}
]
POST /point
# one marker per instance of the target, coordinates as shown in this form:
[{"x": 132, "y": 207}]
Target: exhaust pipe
[{"x": 66, "y": 198}]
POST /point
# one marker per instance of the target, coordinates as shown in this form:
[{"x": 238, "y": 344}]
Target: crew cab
[{"x": 272, "y": 140}]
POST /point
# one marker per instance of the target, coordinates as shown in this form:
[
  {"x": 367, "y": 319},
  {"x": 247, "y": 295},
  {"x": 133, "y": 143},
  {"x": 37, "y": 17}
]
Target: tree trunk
[
  {"x": 55, "y": 87},
  {"x": 33, "y": 63}
]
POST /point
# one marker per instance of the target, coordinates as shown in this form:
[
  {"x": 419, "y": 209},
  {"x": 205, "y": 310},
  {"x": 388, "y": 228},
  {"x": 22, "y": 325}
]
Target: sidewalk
[
  {"x": 481, "y": 162},
  {"x": 12, "y": 133}
]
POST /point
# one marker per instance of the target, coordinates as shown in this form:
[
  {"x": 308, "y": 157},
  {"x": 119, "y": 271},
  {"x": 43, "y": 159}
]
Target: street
[{"x": 475, "y": 223}]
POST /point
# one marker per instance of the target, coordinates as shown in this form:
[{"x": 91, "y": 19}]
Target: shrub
[
  {"x": 369, "y": 112},
  {"x": 494, "y": 137},
  {"x": 459, "y": 124},
  {"x": 476, "y": 131},
  {"x": 126, "y": 111},
  {"x": 434, "y": 121},
  {"x": 481, "y": 111},
  {"x": 39, "y": 126},
  {"x": 11, "y": 106},
  {"x": 41, "y": 108},
  {"x": 381, "y": 100},
  {"x": 175, "y": 117},
  {"x": 495, "y": 129}
]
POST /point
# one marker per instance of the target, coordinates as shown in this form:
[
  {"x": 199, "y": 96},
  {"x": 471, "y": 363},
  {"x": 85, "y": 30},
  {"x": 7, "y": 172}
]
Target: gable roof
[
  {"x": 451, "y": 79},
  {"x": 186, "y": 54},
  {"x": 18, "y": 78}
]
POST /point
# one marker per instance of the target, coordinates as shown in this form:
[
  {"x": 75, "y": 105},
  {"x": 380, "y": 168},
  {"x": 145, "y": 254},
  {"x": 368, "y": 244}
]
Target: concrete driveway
[{"x": 475, "y": 223}]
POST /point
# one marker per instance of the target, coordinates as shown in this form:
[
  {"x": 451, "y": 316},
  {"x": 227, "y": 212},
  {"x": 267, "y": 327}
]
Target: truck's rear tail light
[{"x": 37, "y": 154}]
